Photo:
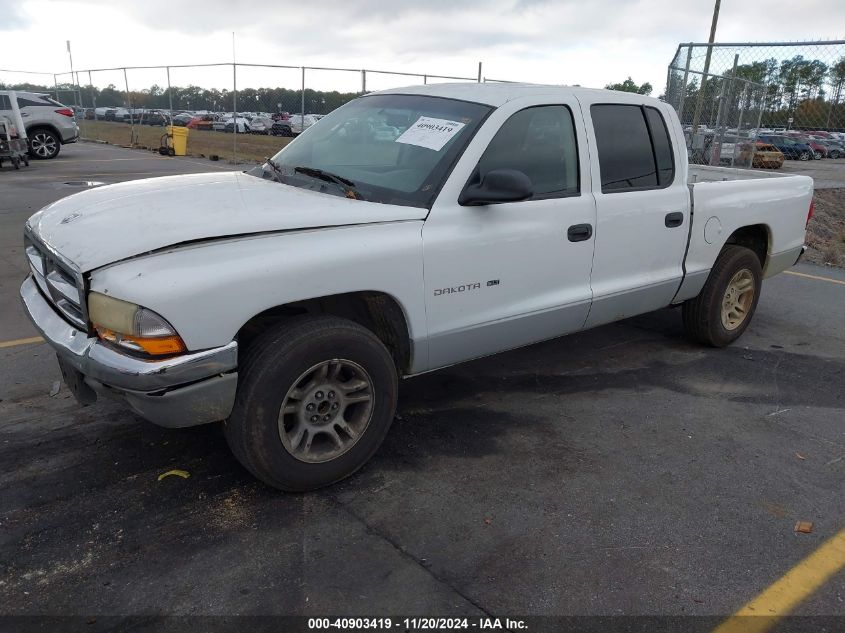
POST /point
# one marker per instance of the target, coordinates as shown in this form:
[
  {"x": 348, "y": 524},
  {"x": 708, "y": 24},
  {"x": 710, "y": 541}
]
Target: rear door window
[{"x": 626, "y": 158}]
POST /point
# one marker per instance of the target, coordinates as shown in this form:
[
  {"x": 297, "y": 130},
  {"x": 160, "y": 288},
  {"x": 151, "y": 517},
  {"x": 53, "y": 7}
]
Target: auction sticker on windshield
[{"x": 431, "y": 133}]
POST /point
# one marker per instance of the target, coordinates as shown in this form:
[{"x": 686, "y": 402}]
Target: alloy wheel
[
  {"x": 738, "y": 299},
  {"x": 326, "y": 411},
  {"x": 44, "y": 145}
]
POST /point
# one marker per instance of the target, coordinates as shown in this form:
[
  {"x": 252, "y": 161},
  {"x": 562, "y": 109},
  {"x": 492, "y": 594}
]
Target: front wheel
[
  {"x": 316, "y": 397},
  {"x": 804, "y": 156},
  {"x": 817, "y": 155},
  {"x": 722, "y": 311},
  {"x": 834, "y": 154}
]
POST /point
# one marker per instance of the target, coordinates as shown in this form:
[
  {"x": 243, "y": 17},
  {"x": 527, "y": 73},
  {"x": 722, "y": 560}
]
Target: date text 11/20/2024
[{"x": 416, "y": 624}]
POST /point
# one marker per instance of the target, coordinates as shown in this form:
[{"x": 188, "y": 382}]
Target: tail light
[
  {"x": 810, "y": 212},
  {"x": 65, "y": 112}
]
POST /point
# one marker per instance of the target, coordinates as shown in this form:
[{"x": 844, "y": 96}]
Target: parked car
[
  {"x": 228, "y": 125},
  {"x": 766, "y": 156},
  {"x": 835, "y": 149},
  {"x": 89, "y": 114},
  {"x": 48, "y": 123},
  {"x": 281, "y": 127},
  {"x": 201, "y": 122},
  {"x": 182, "y": 120},
  {"x": 789, "y": 147},
  {"x": 289, "y": 299},
  {"x": 818, "y": 148},
  {"x": 155, "y": 118},
  {"x": 298, "y": 123},
  {"x": 260, "y": 125}
]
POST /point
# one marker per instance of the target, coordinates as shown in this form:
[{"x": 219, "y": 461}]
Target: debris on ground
[
  {"x": 55, "y": 390},
  {"x": 184, "y": 474},
  {"x": 800, "y": 456},
  {"x": 803, "y": 527}
]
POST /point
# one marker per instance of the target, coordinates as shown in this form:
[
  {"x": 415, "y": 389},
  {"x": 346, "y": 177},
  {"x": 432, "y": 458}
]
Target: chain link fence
[
  {"x": 742, "y": 103},
  {"x": 237, "y": 112}
]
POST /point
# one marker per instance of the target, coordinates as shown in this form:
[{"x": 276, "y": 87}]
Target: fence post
[
  {"x": 684, "y": 86},
  {"x": 302, "y": 103},
  {"x": 724, "y": 99},
  {"x": 56, "y": 86},
  {"x": 131, "y": 113},
  {"x": 741, "y": 116},
  {"x": 363, "y": 82},
  {"x": 425, "y": 79},
  {"x": 93, "y": 95},
  {"x": 234, "y": 112},
  {"x": 170, "y": 95},
  {"x": 479, "y": 72}
]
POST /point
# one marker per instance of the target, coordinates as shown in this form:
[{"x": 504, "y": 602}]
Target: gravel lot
[{"x": 621, "y": 471}]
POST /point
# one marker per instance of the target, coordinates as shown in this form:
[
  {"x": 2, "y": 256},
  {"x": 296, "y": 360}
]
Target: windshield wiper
[
  {"x": 314, "y": 172},
  {"x": 277, "y": 169}
]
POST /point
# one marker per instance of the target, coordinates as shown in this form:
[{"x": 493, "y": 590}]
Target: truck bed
[
  {"x": 725, "y": 199},
  {"x": 707, "y": 173}
]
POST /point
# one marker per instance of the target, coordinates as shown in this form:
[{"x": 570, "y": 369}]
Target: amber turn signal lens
[{"x": 158, "y": 346}]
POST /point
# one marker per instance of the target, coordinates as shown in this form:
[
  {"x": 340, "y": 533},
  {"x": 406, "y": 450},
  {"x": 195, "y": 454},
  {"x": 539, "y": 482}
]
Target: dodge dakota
[{"x": 406, "y": 231}]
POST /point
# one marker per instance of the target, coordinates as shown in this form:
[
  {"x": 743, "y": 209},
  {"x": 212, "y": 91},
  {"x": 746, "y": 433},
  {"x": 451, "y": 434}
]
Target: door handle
[
  {"x": 579, "y": 232},
  {"x": 674, "y": 219}
]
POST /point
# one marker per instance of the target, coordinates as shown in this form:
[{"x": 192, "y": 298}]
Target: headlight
[{"x": 132, "y": 327}]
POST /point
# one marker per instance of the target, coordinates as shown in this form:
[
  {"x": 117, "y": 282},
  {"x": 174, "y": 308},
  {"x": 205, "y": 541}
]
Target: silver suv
[{"x": 48, "y": 123}]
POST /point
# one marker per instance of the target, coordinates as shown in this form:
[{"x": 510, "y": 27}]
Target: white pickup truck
[{"x": 406, "y": 231}]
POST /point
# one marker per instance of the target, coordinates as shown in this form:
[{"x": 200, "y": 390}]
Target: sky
[{"x": 584, "y": 42}]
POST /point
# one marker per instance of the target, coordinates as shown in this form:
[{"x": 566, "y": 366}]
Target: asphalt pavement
[{"x": 620, "y": 471}]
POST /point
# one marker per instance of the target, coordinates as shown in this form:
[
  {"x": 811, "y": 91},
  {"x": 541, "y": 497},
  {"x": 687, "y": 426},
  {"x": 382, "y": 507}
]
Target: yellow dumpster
[{"x": 179, "y": 135}]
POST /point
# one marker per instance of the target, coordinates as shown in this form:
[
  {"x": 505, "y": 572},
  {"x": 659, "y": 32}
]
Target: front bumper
[{"x": 185, "y": 390}]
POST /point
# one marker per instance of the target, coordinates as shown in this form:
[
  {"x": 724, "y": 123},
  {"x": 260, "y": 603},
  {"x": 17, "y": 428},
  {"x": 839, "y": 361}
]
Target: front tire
[
  {"x": 44, "y": 144},
  {"x": 316, "y": 397},
  {"x": 817, "y": 155},
  {"x": 804, "y": 156},
  {"x": 724, "y": 308}
]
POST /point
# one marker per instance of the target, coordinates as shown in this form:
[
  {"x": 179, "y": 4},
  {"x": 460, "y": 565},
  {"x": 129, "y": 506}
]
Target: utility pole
[{"x": 696, "y": 117}]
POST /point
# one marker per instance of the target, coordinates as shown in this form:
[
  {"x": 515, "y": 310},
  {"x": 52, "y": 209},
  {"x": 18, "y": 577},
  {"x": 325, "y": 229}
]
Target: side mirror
[{"x": 497, "y": 186}]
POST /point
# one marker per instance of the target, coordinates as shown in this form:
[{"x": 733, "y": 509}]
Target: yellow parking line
[
  {"x": 21, "y": 341},
  {"x": 792, "y": 588},
  {"x": 817, "y": 277}
]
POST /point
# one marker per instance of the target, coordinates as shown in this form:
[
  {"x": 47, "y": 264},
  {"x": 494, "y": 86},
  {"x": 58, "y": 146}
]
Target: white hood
[{"x": 100, "y": 226}]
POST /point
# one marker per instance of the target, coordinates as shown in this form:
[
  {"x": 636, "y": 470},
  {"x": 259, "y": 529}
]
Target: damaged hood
[{"x": 100, "y": 226}]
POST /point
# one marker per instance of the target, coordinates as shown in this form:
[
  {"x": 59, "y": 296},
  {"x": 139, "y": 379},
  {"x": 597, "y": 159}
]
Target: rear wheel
[
  {"x": 316, "y": 397},
  {"x": 817, "y": 155},
  {"x": 724, "y": 308},
  {"x": 834, "y": 154},
  {"x": 44, "y": 144}
]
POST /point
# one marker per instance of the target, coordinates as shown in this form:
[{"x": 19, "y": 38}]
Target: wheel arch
[
  {"x": 47, "y": 126},
  {"x": 755, "y": 237},
  {"x": 379, "y": 312}
]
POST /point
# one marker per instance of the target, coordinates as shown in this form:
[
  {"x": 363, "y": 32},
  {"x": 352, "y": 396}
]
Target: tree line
[{"x": 194, "y": 98}]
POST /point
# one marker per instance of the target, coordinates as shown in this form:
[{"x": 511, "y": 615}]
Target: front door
[{"x": 504, "y": 275}]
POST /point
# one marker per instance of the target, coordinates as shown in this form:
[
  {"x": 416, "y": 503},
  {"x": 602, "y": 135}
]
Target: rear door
[
  {"x": 500, "y": 276},
  {"x": 642, "y": 206}
]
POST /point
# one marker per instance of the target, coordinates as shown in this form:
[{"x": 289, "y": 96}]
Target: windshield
[{"x": 395, "y": 149}]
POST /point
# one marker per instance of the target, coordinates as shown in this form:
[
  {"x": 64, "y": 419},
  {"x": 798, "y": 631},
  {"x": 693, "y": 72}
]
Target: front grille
[{"x": 57, "y": 282}]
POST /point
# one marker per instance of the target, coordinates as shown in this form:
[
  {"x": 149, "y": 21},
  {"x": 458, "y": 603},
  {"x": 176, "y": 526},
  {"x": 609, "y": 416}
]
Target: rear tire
[
  {"x": 316, "y": 397},
  {"x": 44, "y": 144},
  {"x": 724, "y": 308}
]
